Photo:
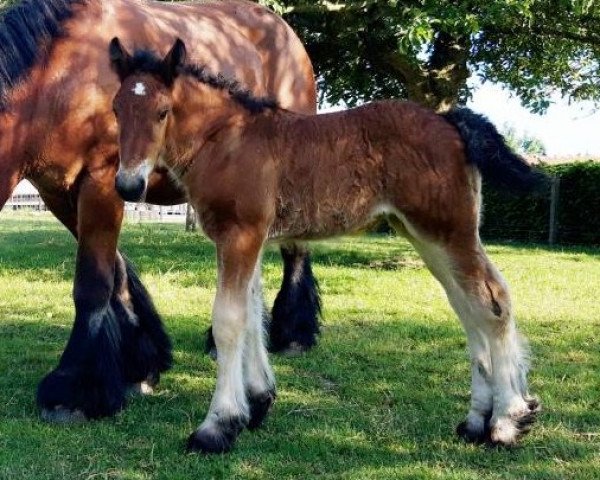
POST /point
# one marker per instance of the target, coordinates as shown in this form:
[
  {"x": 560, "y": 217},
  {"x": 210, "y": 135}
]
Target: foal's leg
[
  {"x": 258, "y": 375},
  {"x": 501, "y": 406},
  {"x": 229, "y": 412},
  {"x": 294, "y": 325}
]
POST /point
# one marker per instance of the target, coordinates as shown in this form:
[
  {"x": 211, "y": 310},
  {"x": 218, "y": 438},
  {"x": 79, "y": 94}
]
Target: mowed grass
[{"x": 379, "y": 398}]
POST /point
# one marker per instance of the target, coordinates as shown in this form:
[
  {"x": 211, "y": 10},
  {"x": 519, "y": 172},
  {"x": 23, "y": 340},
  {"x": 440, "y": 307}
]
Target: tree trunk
[
  {"x": 191, "y": 224},
  {"x": 437, "y": 84}
]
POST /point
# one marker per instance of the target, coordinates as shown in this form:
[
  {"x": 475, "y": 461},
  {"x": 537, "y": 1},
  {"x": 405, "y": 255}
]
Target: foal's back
[{"x": 339, "y": 170}]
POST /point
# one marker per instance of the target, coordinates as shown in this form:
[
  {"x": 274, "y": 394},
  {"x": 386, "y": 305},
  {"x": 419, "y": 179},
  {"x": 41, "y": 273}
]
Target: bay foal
[{"x": 265, "y": 173}]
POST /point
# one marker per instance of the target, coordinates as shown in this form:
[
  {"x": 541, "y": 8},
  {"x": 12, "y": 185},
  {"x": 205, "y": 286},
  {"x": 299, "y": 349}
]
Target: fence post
[
  {"x": 554, "y": 199},
  {"x": 190, "y": 219}
]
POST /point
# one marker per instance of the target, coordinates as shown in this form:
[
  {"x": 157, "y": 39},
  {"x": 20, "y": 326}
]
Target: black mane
[
  {"x": 146, "y": 61},
  {"x": 26, "y": 31}
]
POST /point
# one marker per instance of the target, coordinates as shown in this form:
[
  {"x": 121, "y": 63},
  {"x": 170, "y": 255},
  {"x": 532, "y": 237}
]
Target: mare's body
[{"x": 57, "y": 129}]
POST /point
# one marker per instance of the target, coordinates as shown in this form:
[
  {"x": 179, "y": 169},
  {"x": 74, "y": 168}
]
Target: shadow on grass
[{"x": 46, "y": 246}]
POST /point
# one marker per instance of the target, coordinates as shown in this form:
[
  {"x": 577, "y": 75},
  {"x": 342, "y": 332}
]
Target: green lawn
[{"x": 377, "y": 399}]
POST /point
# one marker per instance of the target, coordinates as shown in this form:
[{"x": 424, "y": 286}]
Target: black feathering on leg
[
  {"x": 297, "y": 308},
  {"x": 147, "y": 347},
  {"x": 88, "y": 382},
  {"x": 117, "y": 340}
]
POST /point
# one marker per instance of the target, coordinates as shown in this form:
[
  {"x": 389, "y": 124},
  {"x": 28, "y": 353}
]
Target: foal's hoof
[
  {"x": 63, "y": 416},
  {"x": 475, "y": 429},
  {"x": 259, "y": 408},
  {"x": 473, "y": 435},
  {"x": 508, "y": 431},
  {"x": 216, "y": 438}
]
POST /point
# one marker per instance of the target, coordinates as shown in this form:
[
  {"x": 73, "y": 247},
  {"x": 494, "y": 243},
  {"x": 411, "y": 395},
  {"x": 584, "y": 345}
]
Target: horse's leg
[
  {"x": 117, "y": 338},
  {"x": 295, "y": 323},
  {"x": 146, "y": 348},
  {"x": 258, "y": 375},
  {"x": 89, "y": 381},
  {"x": 229, "y": 413},
  {"x": 501, "y": 407}
]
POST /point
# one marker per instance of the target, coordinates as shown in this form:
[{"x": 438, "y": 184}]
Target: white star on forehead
[{"x": 140, "y": 89}]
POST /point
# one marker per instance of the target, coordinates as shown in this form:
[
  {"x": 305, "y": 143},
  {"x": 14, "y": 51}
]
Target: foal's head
[{"x": 143, "y": 107}]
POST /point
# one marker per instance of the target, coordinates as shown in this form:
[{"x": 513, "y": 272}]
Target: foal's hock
[{"x": 266, "y": 173}]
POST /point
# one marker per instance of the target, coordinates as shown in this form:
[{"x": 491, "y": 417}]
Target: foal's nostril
[{"x": 131, "y": 188}]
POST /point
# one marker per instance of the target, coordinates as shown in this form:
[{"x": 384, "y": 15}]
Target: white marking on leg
[
  {"x": 499, "y": 359},
  {"x": 229, "y": 330},
  {"x": 139, "y": 89},
  {"x": 259, "y": 376}
]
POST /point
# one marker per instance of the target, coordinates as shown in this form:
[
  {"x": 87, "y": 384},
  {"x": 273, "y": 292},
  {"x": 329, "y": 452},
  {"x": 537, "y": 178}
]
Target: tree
[
  {"x": 425, "y": 50},
  {"x": 524, "y": 143}
]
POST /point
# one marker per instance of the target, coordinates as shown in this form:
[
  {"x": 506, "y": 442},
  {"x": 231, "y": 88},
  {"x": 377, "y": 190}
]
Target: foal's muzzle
[{"x": 131, "y": 186}]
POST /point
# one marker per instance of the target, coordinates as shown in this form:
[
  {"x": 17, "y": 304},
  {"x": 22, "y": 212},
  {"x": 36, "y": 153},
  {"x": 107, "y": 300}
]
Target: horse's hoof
[
  {"x": 475, "y": 429},
  {"x": 63, "y": 416},
  {"x": 62, "y": 393},
  {"x": 259, "y": 408},
  {"x": 508, "y": 431},
  {"x": 469, "y": 434},
  {"x": 216, "y": 438}
]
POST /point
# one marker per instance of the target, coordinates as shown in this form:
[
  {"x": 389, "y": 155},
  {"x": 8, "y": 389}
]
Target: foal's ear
[
  {"x": 175, "y": 59},
  {"x": 119, "y": 58}
]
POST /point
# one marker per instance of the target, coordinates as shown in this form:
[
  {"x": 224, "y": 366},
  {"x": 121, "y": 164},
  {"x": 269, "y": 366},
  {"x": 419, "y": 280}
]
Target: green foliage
[
  {"x": 392, "y": 48},
  {"x": 526, "y": 217},
  {"x": 524, "y": 143},
  {"x": 5, "y": 4}
]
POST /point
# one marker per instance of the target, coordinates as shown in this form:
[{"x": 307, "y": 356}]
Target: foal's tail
[{"x": 487, "y": 149}]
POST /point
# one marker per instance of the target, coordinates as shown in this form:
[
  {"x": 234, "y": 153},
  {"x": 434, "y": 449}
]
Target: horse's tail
[{"x": 487, "y": 150}]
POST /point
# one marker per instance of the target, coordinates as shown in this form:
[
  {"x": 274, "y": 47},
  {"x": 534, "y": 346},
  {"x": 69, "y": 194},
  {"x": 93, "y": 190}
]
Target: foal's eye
[{"x": 163, "y": 115}]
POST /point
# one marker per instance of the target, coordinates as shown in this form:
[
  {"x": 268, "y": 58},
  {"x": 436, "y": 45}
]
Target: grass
[{"x": 377, "y": 399}]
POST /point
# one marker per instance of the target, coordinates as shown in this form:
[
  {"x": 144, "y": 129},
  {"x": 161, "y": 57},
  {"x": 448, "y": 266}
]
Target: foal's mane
[
  {"x": 146, "y": 61},
  {"x": 26, "y": 31}
]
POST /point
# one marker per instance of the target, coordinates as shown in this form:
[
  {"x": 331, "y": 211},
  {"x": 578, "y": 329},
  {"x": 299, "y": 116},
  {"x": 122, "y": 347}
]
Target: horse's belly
[{"x": 325, "y": 217}]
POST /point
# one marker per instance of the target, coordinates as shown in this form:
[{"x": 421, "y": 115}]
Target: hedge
[{"x": 526, "y": 217}]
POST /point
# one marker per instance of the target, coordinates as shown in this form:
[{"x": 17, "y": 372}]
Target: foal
[{"x": 264, "y": 174}]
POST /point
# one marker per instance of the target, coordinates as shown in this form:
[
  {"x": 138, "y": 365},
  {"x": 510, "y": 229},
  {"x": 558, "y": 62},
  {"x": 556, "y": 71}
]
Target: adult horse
[
  {"x": 57, "y": 129},
  {"x": 272, "y": 174}
]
